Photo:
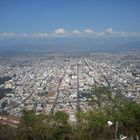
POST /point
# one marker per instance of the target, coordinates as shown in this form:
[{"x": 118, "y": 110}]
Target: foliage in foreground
[{"x": 92, "y": 125}]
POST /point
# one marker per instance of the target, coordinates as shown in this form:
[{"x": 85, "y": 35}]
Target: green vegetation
[
  {"x": 4, "y": 79},
  {"x": 101, "y": 96},
  {"x": 7, "y": 132},
  {"x": 44, "y": 93},
  {"x": 92, "y": 124}
]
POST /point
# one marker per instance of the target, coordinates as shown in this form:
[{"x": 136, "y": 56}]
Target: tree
[
  {"x": 7, "y": 132},
  {"x": 61, "y": 117},
  {"x": 62, "y": 129},
  {"x": 26, "y": 126},
  {"x": 93, "y": 125},
  {"x": 101, "y": 96},
  {"x": 129, "y": 117}
]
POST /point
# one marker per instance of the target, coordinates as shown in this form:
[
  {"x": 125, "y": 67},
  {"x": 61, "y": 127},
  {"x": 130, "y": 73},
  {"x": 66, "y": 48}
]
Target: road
[
  {"x": 78, "y": 102},
  {"x": 90, "y": 70},
  {"x": 58, "y": 90}
]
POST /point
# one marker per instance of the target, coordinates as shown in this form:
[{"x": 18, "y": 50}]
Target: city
[{"x": 61, "y": 82}]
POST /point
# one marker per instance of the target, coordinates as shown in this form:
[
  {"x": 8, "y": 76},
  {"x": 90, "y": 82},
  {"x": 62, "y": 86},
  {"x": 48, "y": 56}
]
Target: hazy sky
[{"x": 43, "y": 19}]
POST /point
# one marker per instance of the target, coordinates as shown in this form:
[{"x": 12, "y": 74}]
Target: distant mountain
[
  {"x": 132, "y": 46},
  {"x": 69, "y": 44}
]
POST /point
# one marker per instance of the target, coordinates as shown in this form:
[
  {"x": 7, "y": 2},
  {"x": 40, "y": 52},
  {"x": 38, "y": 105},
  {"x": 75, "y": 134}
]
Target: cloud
[
  {"x": 6, "y": 34},
  {"x": 111, "y": 33},
  {"x": 23, "y": 35},
  {"x": 89, "y": 31},
  {"x": 62, "y": 33},
  {"x": 109, "y": 30},
  {"x": 76, "y": 32},
  {"x": 38, "y": 35}
]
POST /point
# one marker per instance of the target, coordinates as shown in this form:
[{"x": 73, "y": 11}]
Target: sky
[{"x": 62, "y": 19}]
